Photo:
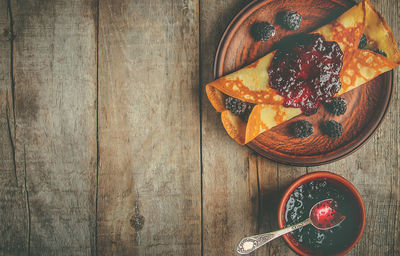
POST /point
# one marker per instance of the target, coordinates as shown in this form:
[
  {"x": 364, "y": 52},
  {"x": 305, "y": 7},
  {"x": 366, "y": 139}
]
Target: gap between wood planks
[
  {"x": 28, "y": 209},
  {"x": 11, "y": 37},
  {"x": 12, "y": 135},
  {"x": 201, "y": 131},
  {"x": 97, "y": 125}
]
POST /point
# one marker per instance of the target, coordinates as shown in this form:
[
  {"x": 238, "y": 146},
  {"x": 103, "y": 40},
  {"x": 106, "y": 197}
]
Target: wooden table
[{"x": 103, "y": 119}]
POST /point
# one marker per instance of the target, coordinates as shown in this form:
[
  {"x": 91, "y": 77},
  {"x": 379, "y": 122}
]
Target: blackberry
[
  {"x": 337, "y": 106},
  {"x": 291, "y": 20},
  {"x": 262, "y": 31},
  {"x": 332, "y": 128},
  {"x": 363, "y": 42},
  {"x": 247, "y": 114},
  {"x": 238, "y": 107},
  {"x": 381, "y": 52},
  {"x": 302, "y": 129}
]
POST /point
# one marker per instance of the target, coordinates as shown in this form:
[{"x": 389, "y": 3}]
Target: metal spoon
[{"x": 323, "y": 215}]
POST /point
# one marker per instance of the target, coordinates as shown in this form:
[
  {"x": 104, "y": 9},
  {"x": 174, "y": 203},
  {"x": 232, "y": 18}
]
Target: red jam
[
  {"x": 325, "y": 214},
  {"x": 307, "y": 73},
  {"x": 330, "y": 241}
]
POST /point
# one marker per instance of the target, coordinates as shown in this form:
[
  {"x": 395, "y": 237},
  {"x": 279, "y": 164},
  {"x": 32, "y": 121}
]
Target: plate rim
[{"x": 306, "y": 160}]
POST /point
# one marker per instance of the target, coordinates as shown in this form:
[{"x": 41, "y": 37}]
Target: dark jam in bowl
[
  {"x": 306, "y": 73},
  {"x": 298, "y": 207}
]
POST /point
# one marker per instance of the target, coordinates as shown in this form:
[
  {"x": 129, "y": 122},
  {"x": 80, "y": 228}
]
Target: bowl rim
[{"x": 312, "y": 176}]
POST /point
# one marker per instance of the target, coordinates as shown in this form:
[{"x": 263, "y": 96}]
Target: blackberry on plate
[
  {"x": 363, "y": 42},
  {"x": 262, "y": 31},
  {"x": 291, "y": 20},
  {"x": 381, "y": 52},
  {"x": 337, "y": 106},
  {"x": 302, "y": 129},
  {"x": 246, "y": 115},
  {"x": 332, "y": 128},
  {"x": 238, "y": 107}
]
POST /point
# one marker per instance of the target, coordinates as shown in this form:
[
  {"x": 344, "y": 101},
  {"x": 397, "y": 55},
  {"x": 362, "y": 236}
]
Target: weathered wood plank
[
  {"x": 150, "y": 151},
  {"x": 13, "y": 228},
  {"x": 149, "y": 128},
  {"x": 230, "y": 173},
  {"x": 52, "y": 210}
]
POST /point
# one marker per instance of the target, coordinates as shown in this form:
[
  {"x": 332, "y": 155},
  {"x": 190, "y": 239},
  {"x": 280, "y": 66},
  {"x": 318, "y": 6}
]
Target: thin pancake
[
  {"x": 250, "y": 84},
  {"x": 379, "y": 32},
  {"x": 234, "y": 126}
]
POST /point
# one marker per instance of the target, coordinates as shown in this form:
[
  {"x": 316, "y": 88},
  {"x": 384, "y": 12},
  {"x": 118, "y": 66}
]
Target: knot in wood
[
  {"x": 8, "y": 34},
  {"x": 137, "y": 222}
]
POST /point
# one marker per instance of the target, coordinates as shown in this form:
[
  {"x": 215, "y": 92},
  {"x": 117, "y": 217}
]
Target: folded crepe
[{"x": 251, "y": 83}]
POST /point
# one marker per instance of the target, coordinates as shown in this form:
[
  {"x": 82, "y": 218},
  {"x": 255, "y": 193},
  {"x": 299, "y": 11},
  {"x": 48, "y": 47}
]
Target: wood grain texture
[
  {"x": 149, "y": 128},
  {"x": 230, "y": 187},
  {"x": 13, "y": 228},
  {"x": 164, "y": 154},
  {"x": 51, "y": 210}
]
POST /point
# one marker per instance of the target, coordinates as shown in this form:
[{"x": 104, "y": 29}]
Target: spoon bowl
[{"x": 324, "y": 215}]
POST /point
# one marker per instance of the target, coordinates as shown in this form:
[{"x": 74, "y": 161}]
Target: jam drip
[{"x": 307, "y": 73}]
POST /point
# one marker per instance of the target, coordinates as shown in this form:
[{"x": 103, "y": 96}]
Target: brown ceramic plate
[{"x": 367, "y": 105}]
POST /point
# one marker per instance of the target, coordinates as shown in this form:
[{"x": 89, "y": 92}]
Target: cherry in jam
[
  {"x": 307, "y": 73},
  {"x": 298, "y": 207}
]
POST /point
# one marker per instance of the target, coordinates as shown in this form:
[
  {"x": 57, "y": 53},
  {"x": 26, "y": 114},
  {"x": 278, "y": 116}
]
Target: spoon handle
[{"x": 252, "y": 243}]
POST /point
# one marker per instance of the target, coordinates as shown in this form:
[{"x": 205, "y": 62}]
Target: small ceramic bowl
[{"x": 339, "y": 182}]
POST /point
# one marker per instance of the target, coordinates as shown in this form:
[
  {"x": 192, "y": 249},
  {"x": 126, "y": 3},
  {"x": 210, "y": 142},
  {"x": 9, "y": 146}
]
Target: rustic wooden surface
[
  {"x": 149, "y": 128},
  {"x": 104, "y": 124}
]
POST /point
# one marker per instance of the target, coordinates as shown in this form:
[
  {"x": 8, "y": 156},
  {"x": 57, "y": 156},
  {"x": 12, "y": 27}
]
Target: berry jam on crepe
[{"x": 307, "y": 73}]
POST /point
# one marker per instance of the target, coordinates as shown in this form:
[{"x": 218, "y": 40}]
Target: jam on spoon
[{"x": 323, "y": 215}]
